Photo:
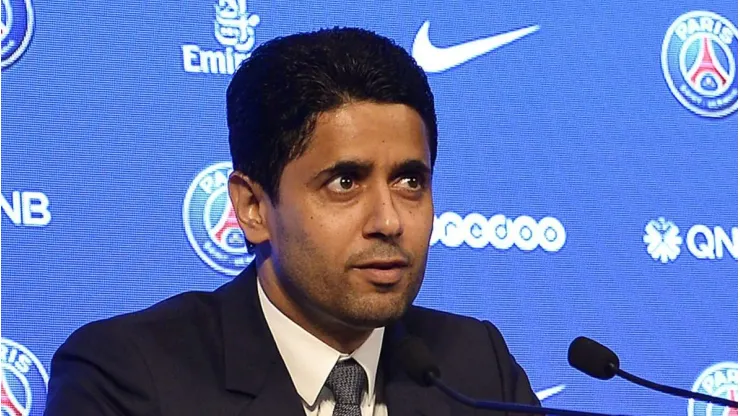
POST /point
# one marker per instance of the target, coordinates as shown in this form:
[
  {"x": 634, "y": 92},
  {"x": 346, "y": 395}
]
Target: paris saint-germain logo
[
  {"x": 718, "y": 380},
  {"x": 699, "y": 63},
  {"x": 16, "y": 29},
  {"x": 23, "y": 381},
  {"x": 211, "y": 224}
]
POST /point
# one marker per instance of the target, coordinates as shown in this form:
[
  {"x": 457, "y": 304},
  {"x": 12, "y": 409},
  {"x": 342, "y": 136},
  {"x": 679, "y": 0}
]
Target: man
[{"x": 333, "y": 138}]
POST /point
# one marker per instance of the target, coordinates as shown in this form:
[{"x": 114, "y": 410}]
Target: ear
[{"x": 249, "y": 199}]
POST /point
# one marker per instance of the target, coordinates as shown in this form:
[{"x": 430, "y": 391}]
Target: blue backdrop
[{"x": 586, "y": 182}]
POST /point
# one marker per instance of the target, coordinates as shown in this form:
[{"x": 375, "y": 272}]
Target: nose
[{"x": 384, "y": 220}]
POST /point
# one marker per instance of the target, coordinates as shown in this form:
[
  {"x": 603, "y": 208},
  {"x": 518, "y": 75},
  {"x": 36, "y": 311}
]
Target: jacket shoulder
[
  {"x": 123, "y": 360},
  {"x": 472, "y": 355},
  {"x": 162, "y": 327},
  {"x": 432, "y": 323}
]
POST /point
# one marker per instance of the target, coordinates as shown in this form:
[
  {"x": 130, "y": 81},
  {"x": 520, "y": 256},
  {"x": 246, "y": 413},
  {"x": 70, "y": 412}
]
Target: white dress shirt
[{"x": 309, "y": 362}]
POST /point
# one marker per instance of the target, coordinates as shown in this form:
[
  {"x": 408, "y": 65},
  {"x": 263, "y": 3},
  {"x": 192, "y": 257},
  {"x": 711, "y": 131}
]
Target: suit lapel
[
  {"x": 277, "y": 395},
  {"x": 252, "y": 362},
  {"x": 403, "y": 396}
]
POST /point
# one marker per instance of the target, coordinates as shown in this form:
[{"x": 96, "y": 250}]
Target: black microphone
[
  {"x": 598, "y": 361},
  {"x": 419, "y": 364}
]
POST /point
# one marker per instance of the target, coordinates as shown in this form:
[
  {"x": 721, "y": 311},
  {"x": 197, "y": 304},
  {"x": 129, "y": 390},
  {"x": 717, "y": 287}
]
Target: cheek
[
  {"x": 332, "y": 229},
  {"x": 288, "y": 233},
  {"x": 418, "y": 231},
  {"x": 319, "y": 230}
]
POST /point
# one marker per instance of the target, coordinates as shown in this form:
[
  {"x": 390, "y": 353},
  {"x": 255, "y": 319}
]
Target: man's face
[{"x": 350, "y": 234}]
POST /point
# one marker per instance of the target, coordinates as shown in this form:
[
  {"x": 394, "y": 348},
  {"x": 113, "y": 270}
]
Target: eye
[
  {"x": 412, "y": 182},
  {"x": 342, "y": 184}
]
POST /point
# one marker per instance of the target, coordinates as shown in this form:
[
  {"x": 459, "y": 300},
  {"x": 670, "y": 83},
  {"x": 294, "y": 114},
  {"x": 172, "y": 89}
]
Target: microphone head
[
  {"x": 592, "y": 358},
  {"x": 414, "y": 356}
]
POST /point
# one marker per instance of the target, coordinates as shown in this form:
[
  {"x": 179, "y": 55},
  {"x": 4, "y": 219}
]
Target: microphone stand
[
  {"x": 508, "y": 407},
  {"x": 671, "y": 390}
]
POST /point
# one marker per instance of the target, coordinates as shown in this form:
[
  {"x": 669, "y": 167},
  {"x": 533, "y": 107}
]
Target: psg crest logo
[
  {"x": 23, "y": 381},
  {"x": 699, "y": 59},
  {"x": 210, "y": 222},
  {"x": 718, "y": 380},
  {"x": 15, "y": 29}
]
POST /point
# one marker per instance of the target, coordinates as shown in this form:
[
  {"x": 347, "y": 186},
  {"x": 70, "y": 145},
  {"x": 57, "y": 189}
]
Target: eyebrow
[
  {"x": 364, "y": 167},
  {"x": 356, "y": 167},
  {"x": 407, "y": 166}
]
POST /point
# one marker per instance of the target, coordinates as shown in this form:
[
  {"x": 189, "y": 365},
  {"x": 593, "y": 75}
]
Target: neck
[{"x": 331, "y": 331}]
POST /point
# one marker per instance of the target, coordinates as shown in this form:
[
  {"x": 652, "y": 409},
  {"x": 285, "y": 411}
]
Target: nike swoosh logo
[
  {"x": 544, "y": 394},
  {"x": 434, "y": 59}
]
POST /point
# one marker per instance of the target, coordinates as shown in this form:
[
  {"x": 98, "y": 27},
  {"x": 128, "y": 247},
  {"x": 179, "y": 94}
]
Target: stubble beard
[{"x": 331, "y": 298}]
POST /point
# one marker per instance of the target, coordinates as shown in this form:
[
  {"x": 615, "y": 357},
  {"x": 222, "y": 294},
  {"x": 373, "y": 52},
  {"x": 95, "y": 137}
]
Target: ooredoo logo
[
  {"x": 23, "y": 381},
  {"x": 699, "y": 63},
  {"x": 210, "y": 222},
  {"x": 477, "y": 231}
]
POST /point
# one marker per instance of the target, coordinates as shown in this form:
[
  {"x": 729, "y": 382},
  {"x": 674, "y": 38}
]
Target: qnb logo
[
  {"x": 234, "y": 30},
  {"x": 663, "y": 241},
  {"x": 27, "y": 208},
  {"x": 706, "y": 243},
  {"x": 501, "y": 232}
]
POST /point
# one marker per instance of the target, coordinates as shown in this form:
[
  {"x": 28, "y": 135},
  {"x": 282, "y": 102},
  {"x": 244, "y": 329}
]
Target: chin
[
  {"x": 376, "y": 310},
  {"x": 370, "y": 322}
]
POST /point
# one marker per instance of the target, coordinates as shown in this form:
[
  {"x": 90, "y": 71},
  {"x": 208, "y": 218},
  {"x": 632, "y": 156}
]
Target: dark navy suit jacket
[{"x": 212, "y": 354}]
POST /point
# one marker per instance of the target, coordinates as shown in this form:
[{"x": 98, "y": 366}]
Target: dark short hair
[{"x": 277, "y": 94}]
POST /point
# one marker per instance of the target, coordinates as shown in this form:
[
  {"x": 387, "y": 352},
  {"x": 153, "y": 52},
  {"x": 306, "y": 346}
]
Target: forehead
[{"x": 369, "y": 131}]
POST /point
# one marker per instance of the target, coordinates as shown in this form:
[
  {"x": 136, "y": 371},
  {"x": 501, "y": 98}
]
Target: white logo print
[
  {"x": 710, "y": 243},
  {"x": 718, "y": 380},
  {"x": 662, "y": 239},
  {"x": 547, "y": 393},
  {"x": 698, "y": 58},
  {"x": 705, "y": 243},
  {"x": 502, "y": 233},
  {"x": 27, "y": 208},
  {"x": 233, "y": 28},
  {"x": 23, "y": 380},
  {"x": 434, "y": 59}
]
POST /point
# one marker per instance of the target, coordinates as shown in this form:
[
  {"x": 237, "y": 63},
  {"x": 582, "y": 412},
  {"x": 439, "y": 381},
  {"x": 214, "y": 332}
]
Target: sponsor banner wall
[{"x": 586, "y": 182}]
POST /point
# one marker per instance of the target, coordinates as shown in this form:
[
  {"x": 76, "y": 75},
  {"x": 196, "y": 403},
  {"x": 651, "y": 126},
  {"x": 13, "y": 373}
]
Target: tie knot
[{"x": 347, "y": 381}]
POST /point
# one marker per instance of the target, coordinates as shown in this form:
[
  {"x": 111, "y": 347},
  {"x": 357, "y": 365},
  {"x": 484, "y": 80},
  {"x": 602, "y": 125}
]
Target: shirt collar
[{"x": 308, "y": 359}]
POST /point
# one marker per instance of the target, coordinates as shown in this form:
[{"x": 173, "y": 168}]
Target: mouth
[{"x": 383, "y": 272}]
